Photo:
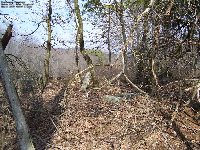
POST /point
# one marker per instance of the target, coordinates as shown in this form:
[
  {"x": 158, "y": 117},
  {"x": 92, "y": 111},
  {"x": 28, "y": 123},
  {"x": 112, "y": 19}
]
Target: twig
[
  {"x": 54, "y": 124},
  {"x": 117, "y": 76},
  {"x": 181, "y": 136},
  {"x": 131, "y": 33},
  {"x": 165, "y": 138},
  {"x": 135, "y": 86},
  {"x": 170, "y": 7}
]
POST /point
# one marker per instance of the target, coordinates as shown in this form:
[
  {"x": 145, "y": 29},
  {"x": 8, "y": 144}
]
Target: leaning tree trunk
[
  {"x": 25, "y": 141},
  {"x": 46, "y": 63},
  {"x": 120, "y": 11},
  {"x": 77, "y": 57},
  {"x": 121, "y": 14},
  {"x": 81, "y": 43},
  {"x": 108, "y": 40}
]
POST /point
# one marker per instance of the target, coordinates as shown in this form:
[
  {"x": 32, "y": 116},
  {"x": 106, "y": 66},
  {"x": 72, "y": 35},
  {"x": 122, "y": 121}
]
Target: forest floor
[{"x": 86, "y": 121}]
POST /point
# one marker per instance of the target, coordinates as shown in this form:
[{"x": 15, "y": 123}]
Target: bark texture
[
  {"x": 46, "y": 64},
  {"x": 81, "y": 43},
  {"x": 6, "y": 37},
  {"x": 25, "y": 141}
]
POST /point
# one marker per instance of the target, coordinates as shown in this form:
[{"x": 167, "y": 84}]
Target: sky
[{"x": 25, "y": 21}]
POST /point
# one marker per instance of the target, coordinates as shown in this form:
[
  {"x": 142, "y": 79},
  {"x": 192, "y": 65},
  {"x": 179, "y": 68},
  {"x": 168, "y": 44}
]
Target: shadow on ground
[{"x": 43, "y": 117}]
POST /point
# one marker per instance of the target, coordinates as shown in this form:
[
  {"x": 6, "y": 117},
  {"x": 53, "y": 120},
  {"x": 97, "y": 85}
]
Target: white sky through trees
[{"x": 25, "y": 21}]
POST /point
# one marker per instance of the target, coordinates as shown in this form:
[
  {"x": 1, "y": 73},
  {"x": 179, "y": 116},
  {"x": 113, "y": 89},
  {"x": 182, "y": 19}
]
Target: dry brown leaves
[{"x": 87, "y": 122}]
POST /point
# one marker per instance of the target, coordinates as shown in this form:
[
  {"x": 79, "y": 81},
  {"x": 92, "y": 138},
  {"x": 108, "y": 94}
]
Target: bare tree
[
  {"x": 120, "y": 11},
  {"x": 46, "y": 77},
  {"x": 108, "y": 39},
  {"x": 25, "y": 140},
  {"x": 81, "y": 43}
]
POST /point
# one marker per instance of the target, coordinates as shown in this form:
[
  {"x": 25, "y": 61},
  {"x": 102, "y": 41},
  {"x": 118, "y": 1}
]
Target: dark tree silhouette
[{"x": 6, "y": 36}]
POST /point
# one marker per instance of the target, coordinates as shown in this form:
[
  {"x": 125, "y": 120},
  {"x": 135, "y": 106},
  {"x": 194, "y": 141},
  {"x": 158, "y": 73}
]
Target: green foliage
[
  {"x": 94, "y": 6},
  {"x": 143, "y": 2},
  {"x": 96, "y": 52},
  {"x": 97, "y": 8}
]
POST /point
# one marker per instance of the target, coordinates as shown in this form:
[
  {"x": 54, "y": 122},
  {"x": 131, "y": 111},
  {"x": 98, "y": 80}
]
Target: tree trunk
[
  {"x": 109, "y": 22},
  {"x": 77, "y": 57},
  {"x": 81, "y": 43},
  {"x": 25, "y": 140},
  {"x": 123, "y": 35},
  {"x": 6, "y": 36},
  {"x": 120, "y": 11},
  {"x": 46, "y": 64}
]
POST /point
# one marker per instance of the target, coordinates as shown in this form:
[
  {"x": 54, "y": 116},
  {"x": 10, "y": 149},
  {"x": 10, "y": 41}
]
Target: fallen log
[{"x": 119, "y": 97}]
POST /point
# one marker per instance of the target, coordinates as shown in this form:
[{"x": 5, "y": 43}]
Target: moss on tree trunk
[{"x": 81, "y": 43}]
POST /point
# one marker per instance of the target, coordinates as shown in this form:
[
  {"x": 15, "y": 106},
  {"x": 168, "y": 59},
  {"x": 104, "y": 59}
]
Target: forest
[{"x": 100, "y": 74}]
